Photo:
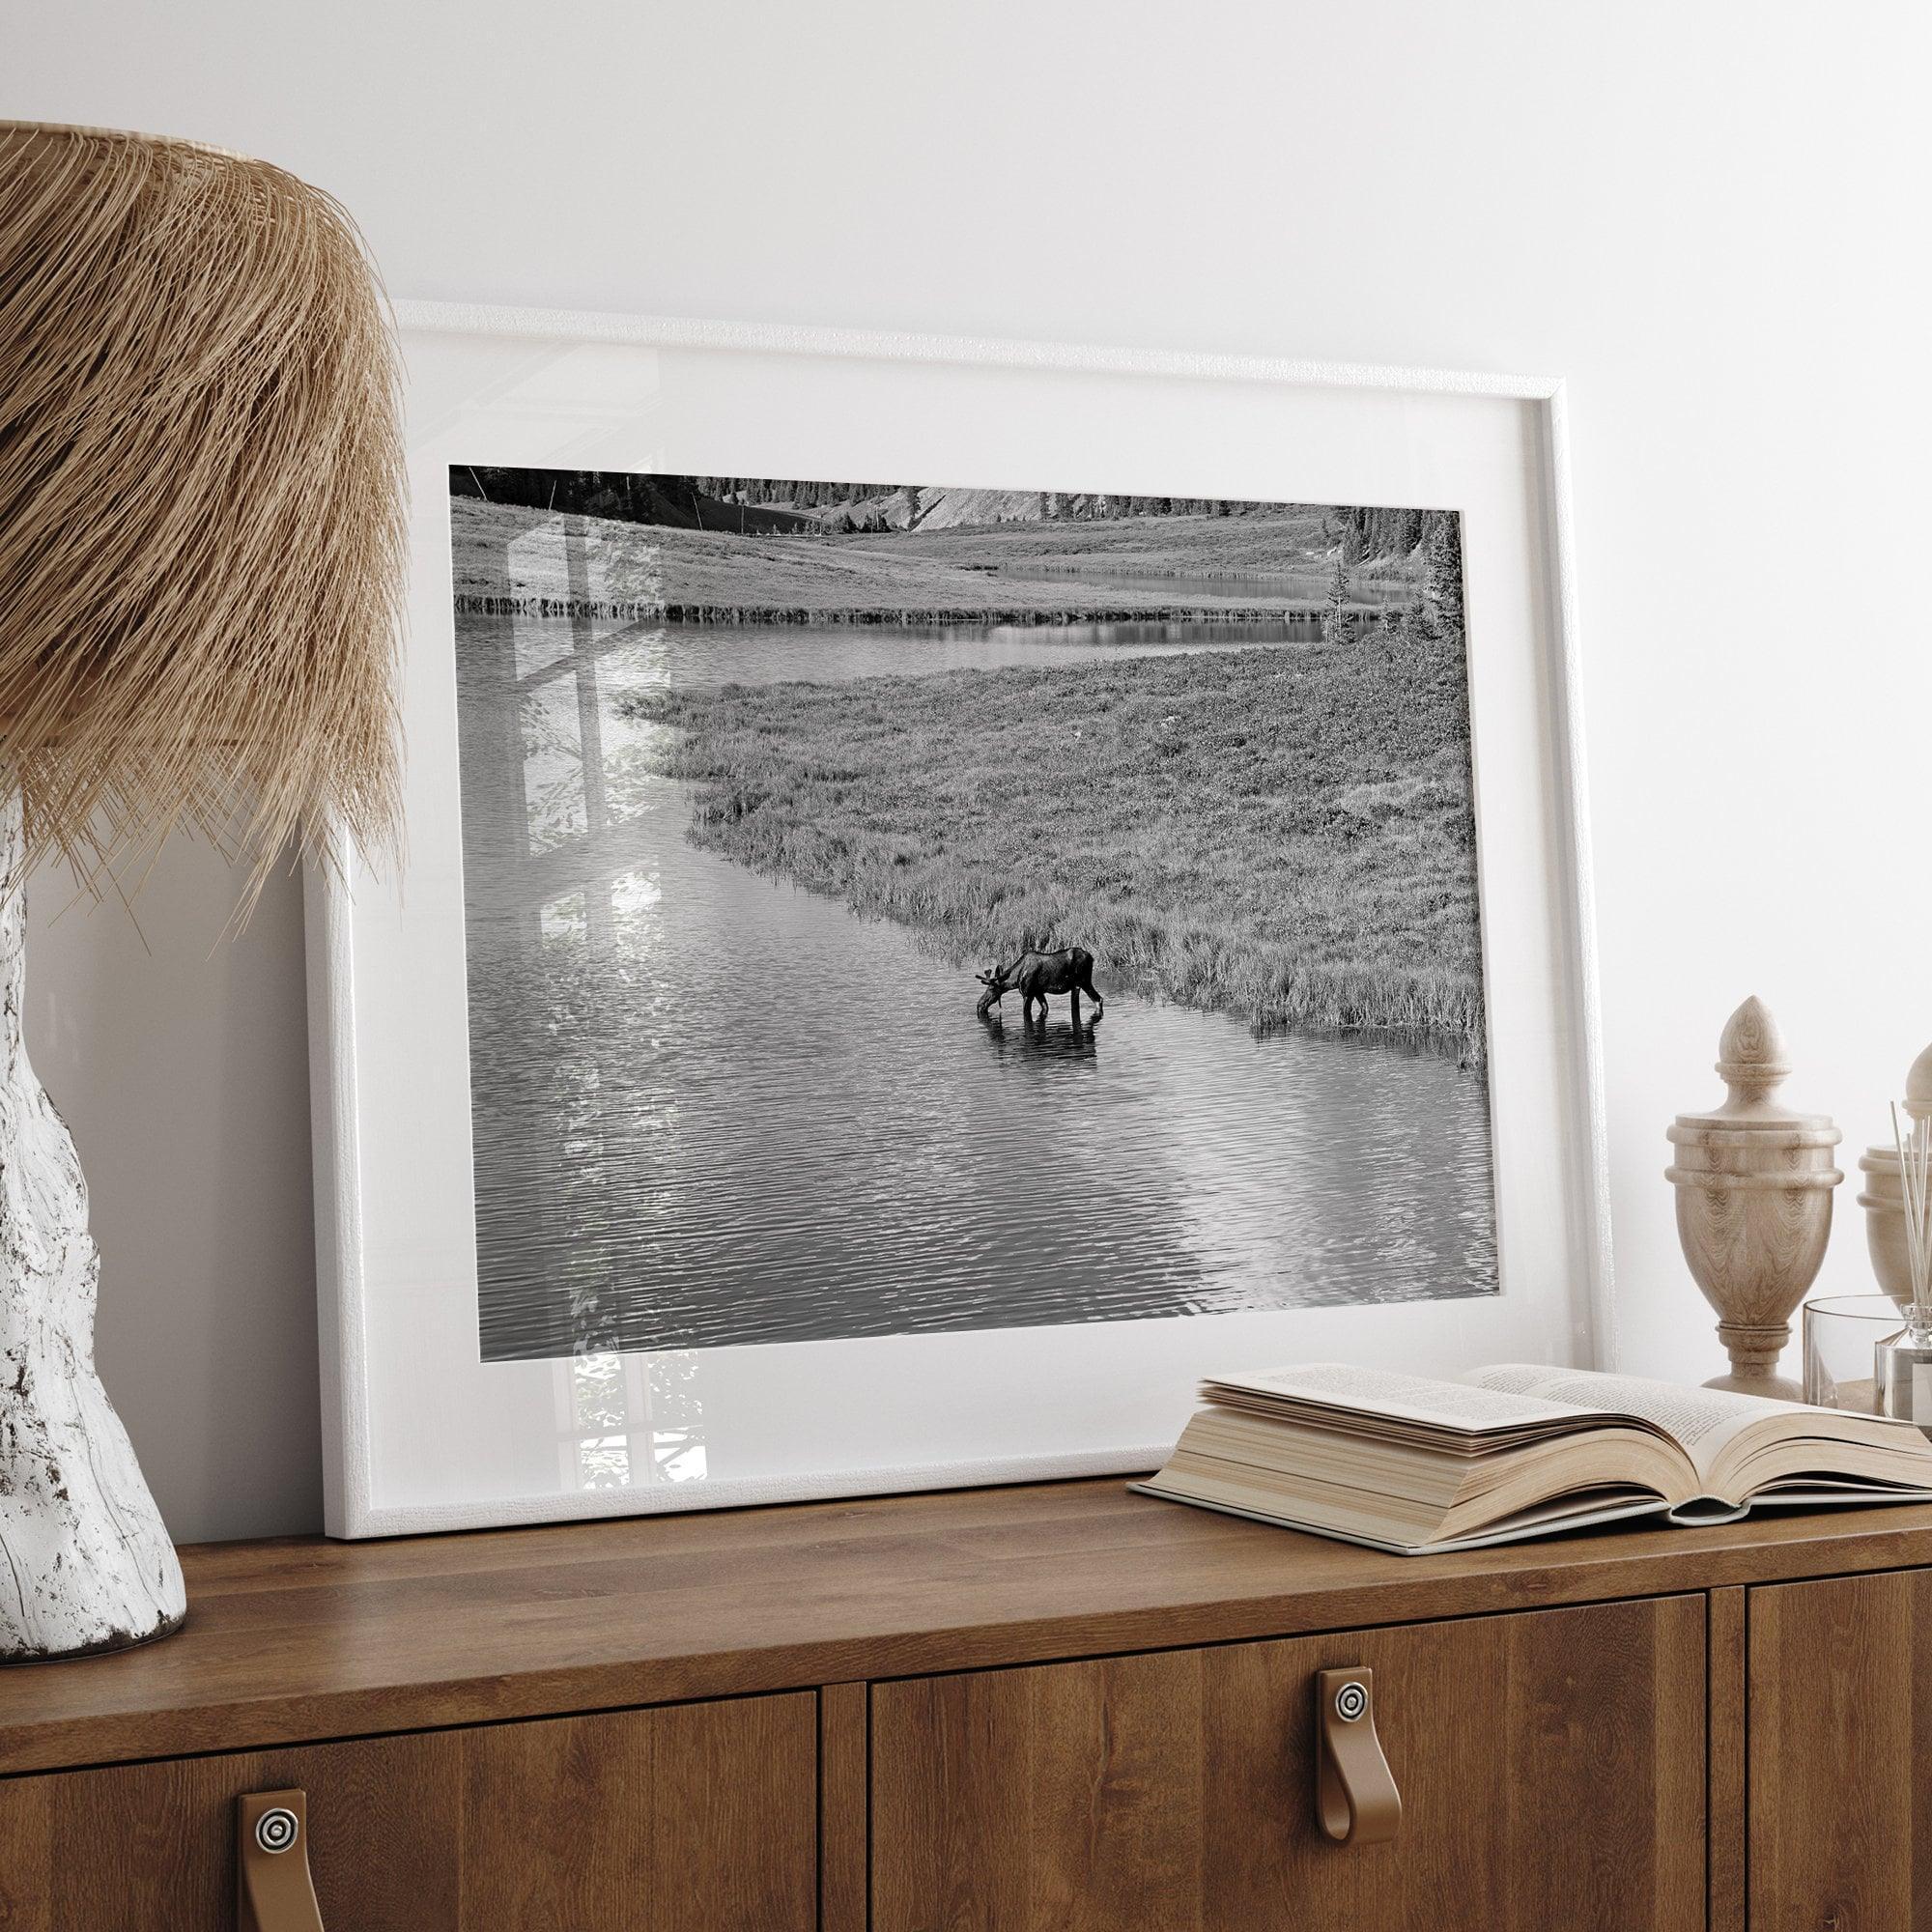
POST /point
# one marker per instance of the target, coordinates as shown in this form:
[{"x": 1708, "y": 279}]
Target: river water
[
  {"x": 712, "y": 1108},
  {"x": 1303, "y": 586}
]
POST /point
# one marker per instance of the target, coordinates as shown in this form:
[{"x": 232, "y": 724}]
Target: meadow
[
  {"x": 1284, "y": 833},
  {"x": 1014, "y": 572}
]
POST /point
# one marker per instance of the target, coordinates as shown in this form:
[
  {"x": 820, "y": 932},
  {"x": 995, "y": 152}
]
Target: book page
[
  {"x": 1703, "y": 1421},
  {"x": 1459, "y": 1406},
  {"x": 1579, "y": 1513}
]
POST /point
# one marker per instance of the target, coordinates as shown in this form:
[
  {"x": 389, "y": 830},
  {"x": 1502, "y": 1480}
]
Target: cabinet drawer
[
  {"x": 1550, "y": 1765},
  {"x": 692, "y": 1818}
]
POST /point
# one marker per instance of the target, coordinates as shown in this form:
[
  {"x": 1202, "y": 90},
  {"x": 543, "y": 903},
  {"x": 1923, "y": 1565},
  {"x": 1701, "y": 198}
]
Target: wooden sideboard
[{"x": 998, "y": 1710}]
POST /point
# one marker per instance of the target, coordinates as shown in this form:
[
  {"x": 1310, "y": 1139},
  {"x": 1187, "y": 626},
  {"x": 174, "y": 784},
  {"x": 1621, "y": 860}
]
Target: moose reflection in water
[
  {"x": 1035, "y": 975},
  {"x": 1043, "y": 1047}
]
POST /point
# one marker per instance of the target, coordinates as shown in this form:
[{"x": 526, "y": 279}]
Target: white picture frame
[{"x": 420, "y": 1434}]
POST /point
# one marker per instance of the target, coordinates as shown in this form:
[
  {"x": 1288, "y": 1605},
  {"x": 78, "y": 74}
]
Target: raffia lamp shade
[
  {"x": 201, "y": 558},
  {"x": 201, "y": 503}
]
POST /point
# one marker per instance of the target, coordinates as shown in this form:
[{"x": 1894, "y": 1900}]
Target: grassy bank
[
  {"x": 1294, "y": 538},
  {"x": 508, "y": 556},
  {"x": 1286, "y": 835}
]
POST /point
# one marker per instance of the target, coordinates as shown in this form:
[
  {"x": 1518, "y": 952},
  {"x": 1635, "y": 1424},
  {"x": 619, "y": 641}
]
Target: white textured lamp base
[{"x": 85, "y": 1560}]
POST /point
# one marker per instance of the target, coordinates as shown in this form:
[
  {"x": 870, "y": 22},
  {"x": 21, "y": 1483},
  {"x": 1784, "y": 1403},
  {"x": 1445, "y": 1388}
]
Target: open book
[{"x": 1416, "y": 1466}]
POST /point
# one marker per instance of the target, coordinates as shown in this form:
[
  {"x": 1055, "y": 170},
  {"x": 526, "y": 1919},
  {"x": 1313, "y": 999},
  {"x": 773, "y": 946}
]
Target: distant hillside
[
  {"x": 509, "y": 557},
  {"x": 677, "y": 502},
  {"x": 762, "y": 506},
  {"x": 1364, "y": 535}
]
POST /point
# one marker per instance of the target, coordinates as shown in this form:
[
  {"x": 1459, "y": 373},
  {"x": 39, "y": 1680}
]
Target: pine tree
[
  {"x": 1334, "y": 626},
  {"x": 1442, "y": 569}
]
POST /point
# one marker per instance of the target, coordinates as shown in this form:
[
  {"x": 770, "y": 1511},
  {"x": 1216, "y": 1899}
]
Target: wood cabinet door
[
  {"x": 1550, "y": 1763},
  {"x": 693, "y": 1818},
  {"x": 1839, "y": 1739}
]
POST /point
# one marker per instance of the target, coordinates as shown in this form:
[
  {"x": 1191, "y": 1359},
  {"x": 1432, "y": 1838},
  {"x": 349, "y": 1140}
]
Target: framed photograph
[{"x": 953, "y": 887}]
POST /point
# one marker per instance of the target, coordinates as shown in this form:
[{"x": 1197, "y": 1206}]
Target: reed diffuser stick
[{"x": 1915, "y": 1184}]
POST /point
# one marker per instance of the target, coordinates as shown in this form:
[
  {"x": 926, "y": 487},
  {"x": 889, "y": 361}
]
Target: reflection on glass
[
  {"x": 553, "y": 771},
  {"x": 631, "y": 1419},
  {"x": 556, "y": 792},
  {"x": 563, "y": 921},
  {"x": 584, "y": 764}
]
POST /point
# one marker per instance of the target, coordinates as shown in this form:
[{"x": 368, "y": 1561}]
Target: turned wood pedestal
[{"x": 1753, "y": 1182}]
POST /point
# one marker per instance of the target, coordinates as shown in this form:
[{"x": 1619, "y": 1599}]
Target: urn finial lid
[
  {"x": 1752, "y": 1061},
  {"x": 1919, "y": 1087},
  {"x": 1882, "y": 1156},
  {"x": 1752, "y": 1064}
]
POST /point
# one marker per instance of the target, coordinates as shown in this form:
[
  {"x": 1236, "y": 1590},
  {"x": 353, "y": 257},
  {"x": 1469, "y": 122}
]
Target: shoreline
[
  {"x": 1016, "y": 616},
  {"x": 944, "y": 945},
  {"x": 1321, "y": 881}
]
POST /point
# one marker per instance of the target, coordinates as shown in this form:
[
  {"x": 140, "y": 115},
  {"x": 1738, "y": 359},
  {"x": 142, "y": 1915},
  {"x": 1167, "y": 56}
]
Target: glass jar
[{"x": 1841, "y": 1335}]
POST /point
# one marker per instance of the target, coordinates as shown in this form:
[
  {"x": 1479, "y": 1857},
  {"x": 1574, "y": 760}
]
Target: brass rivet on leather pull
[
  {"x": 273, "y": 1892},
  {"x": 1355, "y": 1799}
]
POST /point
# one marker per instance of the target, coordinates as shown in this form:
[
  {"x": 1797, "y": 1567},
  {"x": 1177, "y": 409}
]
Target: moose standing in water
[{"x": 1035, "y": 975}]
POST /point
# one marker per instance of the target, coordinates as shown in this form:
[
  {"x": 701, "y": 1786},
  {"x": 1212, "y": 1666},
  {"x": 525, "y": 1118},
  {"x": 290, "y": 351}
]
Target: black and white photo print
[{"x": 893, "y": 909}]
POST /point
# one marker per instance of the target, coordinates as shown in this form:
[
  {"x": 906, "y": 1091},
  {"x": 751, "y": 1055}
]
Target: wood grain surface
[
  {"x": 1729, "y": 1768},
  {"x": 845, "y": 1771},
  {"x": 1840, "y": 1732},
  {"x": 301, "y": 1640},
  {"x": 700, "y": 1817},
  {"x": 1550, "y": 1765}
]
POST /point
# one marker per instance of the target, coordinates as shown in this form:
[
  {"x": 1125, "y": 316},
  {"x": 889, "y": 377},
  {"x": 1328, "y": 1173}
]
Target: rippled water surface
[
  {"x": 711, "y": 1108},
  {"x": 698, "y": 654},
  {"x": 1309, "y": 586}
]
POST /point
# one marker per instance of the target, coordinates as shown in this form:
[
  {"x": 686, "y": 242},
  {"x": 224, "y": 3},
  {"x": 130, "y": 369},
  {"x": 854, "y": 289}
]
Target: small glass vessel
[
  {"x": 1902, "y": 1369},
  {"x": 1902, "y": 1366},
  {"x": 1842, "y": 1336}
]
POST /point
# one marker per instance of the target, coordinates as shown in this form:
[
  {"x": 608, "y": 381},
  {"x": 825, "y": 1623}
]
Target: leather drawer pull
[
  {"x": 274, "y": 1890},
  {"x": 1355, "y": 1799}
]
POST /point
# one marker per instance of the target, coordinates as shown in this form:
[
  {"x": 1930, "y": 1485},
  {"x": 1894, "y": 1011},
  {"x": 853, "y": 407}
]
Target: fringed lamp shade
[{"x": 201, "y": 504}]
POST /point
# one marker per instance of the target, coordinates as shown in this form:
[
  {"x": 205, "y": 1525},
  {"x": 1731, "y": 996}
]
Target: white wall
[{"x": 1710, "y": 217}]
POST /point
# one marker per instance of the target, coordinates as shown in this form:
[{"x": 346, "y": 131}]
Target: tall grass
[
  {"x": 961, "y": 576},
  {"x": 1283, "y": 834}
]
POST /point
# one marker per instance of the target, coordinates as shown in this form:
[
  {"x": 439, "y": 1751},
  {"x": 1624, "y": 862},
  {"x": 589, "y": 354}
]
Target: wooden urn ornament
[
  {"x": 1883, "y": 1195},
  {"x": 1753, "y": 1182}
]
